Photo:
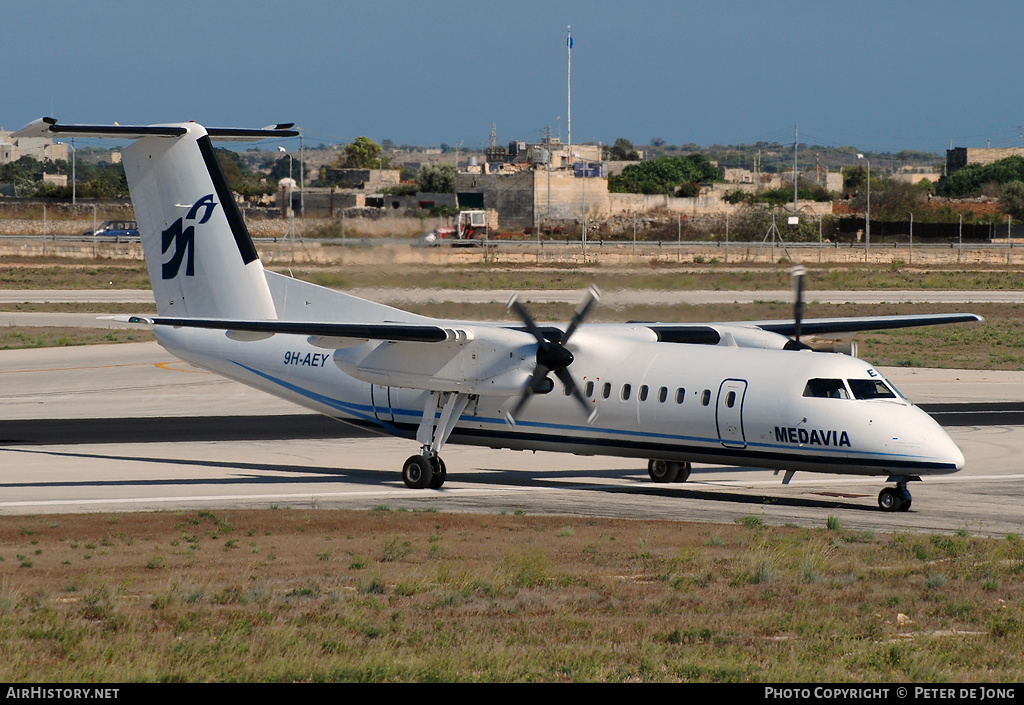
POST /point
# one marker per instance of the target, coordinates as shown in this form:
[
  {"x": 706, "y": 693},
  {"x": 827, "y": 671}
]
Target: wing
[
  {"x": 836, "y": 326},
  {"x": 471, "y": 359},
  {"x": 707, "y": 333}
]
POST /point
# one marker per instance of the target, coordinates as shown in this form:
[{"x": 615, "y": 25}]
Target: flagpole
[{"x": 568, "y": 119}]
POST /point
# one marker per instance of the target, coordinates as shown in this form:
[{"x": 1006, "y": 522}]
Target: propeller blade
[
  {"x": 797, "y": 274},
  {"x": 531, "y": 326},
  {"x": 536, "y": 384},
  {"x": 570, "y": 385},
  {"x": 591, "y": 299}
]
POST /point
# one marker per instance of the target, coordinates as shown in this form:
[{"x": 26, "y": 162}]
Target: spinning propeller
[
  {"x": 553, "y": 356},
  {"x": 797, "y": 275}
]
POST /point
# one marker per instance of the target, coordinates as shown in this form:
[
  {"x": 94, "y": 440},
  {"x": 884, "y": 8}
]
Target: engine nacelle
[
  {"x": 493, "y": 361},
  {"x": 743, "y": 337}
]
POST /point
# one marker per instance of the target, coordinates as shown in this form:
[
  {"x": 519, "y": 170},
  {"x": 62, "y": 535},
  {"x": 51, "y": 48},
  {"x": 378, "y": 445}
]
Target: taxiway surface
[{"x": 129, "y": 428}]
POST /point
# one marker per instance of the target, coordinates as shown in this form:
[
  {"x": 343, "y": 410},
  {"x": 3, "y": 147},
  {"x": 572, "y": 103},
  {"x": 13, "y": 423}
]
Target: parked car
[{"x": 115, "y": 229}]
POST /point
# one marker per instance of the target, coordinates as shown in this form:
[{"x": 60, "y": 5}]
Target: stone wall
[{"x": 528, "y": 199}]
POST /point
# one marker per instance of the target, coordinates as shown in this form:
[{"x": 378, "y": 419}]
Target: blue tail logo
[{"x": 184, "y": 239}]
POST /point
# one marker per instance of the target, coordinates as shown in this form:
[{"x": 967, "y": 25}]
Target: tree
[
  {"x": 436, "y": 178},
  {"x": 622, "y": 151},
  {"x": 970, "y": 180},
  {"x": 364, "y": 153},
  {"x": 240, "y": 178},
  {"x": 285, "y": 167},
  {"x": 854, "y": 178},
  {"x": 665, "y": 175},
  {"x": 1012, "y": 199},
  {"x": 892, "y": 200},
  {"x": 93, "y": 180}
]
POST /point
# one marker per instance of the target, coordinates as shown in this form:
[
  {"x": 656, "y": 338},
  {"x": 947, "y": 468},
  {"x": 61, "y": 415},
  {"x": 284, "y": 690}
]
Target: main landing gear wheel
[
  {"x": 440, "y": 472},
  {"x": 684, "y": 472},
  {"x": 662, "y": 470},
  {"x": 417, "y": 472},
  {"x": 427, "y": 470},
  {"x": 895, "y": 499},
  {"x": 421, "y": 472},
  {"x": 668, "y": 471}
]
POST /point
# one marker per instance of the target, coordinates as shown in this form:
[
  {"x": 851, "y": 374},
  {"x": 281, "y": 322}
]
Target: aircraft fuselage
[{"x": 686, "y": 403}]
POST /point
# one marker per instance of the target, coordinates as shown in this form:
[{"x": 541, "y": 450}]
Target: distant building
[
  {"x": 549, "y": 152},
  {"x": 915, "y": 174},
  {"x": 367, "y": 179},
  {"x": 55, "y": 179},
  {"x": 959, "y": 157},
  {"x": 828, "y": 180},
  {"x": 740, "y": 176},
  {"x": 40, "y": 148}
]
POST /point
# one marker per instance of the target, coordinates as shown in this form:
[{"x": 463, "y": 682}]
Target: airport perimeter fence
[{"x": 886, "y": 248}]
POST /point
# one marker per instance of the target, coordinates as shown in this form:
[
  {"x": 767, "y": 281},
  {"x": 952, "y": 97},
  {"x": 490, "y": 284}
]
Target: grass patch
[{"x": 510, "y": 598}]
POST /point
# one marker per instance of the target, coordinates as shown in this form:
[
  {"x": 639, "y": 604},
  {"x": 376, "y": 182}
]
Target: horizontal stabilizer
[{"x": 49, "y": 127}]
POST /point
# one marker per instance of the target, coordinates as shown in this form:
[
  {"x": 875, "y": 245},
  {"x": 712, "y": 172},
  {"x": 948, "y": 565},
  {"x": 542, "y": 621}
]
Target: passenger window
[
  {"x": 826, "y": 389},
  {"x": 663, "y": 394},
  {"x": 643, "y": 392},
  {"x": 705, "y": 398},
  {"x": 680, "y": 395},
  {"x": 730, "y": 399},
  {"x": 590, "y": 390},
  {"x": 870, "y": 389},
  {"x": 607, "y": 390},
  {"x": 626, "y": 389}
]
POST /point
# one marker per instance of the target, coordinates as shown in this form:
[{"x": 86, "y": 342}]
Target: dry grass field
[{"x": 323, "y": 595}]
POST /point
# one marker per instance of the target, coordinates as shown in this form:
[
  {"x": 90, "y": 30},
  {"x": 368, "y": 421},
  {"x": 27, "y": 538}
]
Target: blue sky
[{"x": 880, "y": 76}]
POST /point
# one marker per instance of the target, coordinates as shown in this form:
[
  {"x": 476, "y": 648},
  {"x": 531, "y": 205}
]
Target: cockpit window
[
  {"x": 826, "y": 389},
  {"x": 870, "y": 389}
]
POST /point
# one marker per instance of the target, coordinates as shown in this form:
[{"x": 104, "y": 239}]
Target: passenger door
[
  {"x": 380, "y": 399},
  {"x": 729, "y": 413}
]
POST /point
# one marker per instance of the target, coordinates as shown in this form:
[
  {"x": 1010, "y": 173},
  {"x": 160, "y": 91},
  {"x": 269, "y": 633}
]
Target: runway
[{"x": 117, "y": 428}]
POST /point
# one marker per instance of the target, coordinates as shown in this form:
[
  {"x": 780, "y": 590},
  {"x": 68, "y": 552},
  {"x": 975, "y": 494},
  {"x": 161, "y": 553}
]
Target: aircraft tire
[
  {"x": 662, "y": 470},
  {"x": 417, "y": 473},
  {"x": 440, "y": 473},
  {"x": 905, "y": 500},
  {"x": 684, "y": 472},
  {"x": 889, "y": 500}
]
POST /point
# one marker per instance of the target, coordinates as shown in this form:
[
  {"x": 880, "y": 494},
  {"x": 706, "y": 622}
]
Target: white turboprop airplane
[{"x": 745, "y": 394}]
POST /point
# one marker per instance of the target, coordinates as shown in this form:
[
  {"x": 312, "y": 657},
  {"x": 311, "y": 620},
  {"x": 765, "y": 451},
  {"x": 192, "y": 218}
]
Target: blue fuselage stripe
[{"x": 632, "y": 441}]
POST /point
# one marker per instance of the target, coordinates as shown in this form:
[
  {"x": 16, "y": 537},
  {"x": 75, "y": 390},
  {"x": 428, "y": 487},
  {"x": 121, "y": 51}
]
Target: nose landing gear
[{"x": 895, "y": 499}]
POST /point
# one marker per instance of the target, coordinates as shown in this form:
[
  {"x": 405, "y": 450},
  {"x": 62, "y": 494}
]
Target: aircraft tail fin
[{"x": 201, "y": 259}]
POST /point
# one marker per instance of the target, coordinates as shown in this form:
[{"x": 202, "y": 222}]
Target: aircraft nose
[
  {"x": 955, "y": 455},
  {"x": 929, "y": 441},
  {"x": 941, "y": 446}
]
